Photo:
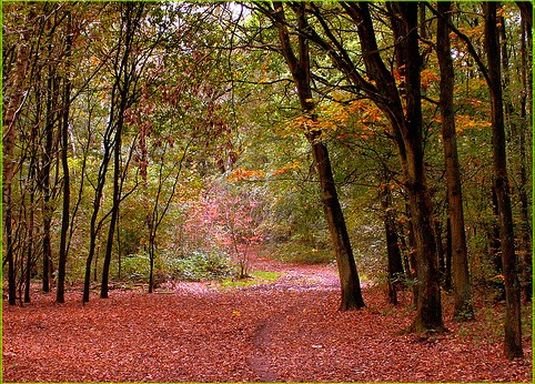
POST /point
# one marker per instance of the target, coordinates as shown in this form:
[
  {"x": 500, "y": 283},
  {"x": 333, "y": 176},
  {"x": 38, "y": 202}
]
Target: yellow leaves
[
  {"x": 236, "y": 313},
  {"x": 361, "y": 115},
  {"x": 463, "y": 122},
  {"x": 246, "y": 174},
  {"x": 286, "y": 168},
  {"x": 95, "y": 61}
]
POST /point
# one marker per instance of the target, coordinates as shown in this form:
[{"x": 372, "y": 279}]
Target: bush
[
  {"x": 135, "y": 267},
  {"x": 198, "y": 265},
  {"x": 201, "y": 265}
]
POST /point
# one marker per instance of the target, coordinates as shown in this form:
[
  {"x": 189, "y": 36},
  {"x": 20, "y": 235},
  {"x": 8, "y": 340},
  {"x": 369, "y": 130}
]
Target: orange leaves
[
  {"x": 463, "y": 122},
  {"x": 286, "y": 168},
  {"x": 428, "y": 77},
  {"x": 359, "y": 115},
  {"x": 240, "y": 174}
]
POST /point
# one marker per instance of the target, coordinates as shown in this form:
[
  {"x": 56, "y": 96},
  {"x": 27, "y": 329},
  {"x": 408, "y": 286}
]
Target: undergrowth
[{"x": 255, "y": 278}]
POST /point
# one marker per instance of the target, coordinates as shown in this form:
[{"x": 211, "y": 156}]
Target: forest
[{"x": 267, "y": 191}]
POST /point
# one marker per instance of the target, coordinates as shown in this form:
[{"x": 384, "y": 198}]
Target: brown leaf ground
[{"x": 286, "y": 331}]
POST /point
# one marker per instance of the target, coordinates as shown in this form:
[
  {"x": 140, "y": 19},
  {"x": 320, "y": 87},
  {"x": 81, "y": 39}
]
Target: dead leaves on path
[{"x": 180, "y": 337}]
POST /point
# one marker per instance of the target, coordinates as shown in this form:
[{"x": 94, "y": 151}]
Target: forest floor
[{"x": 284, "y": 330}]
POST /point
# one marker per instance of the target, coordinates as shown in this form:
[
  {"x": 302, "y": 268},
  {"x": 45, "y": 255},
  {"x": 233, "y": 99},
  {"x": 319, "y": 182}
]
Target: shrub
[
  {"x": 135, "y": 267},
  {"x": 201, "y": 265}
]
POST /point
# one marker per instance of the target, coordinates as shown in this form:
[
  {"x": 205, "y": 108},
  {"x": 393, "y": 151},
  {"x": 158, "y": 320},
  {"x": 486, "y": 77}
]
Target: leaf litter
[{"x": 288, "y": 330}]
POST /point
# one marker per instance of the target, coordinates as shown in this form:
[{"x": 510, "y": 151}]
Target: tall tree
[
  {"x": 461, "y": 279},
  {"x": 299, "y": 66},
  {"x": 18, "y": 71},
  {"x": 513, "y": 331},
  {"x": 131, "y": 15},
  {"x": 405, "y": 117},
  {"x": 525, "y": 101},
  {"x": 395, "y": 263},
  {"x": 64, "y": 133}
]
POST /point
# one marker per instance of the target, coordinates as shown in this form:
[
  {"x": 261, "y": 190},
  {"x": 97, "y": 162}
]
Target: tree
[
  {"x": 64, "y": 133},
  {"x": 513, "y": 331},
  {"x": 405, "y": 117},
  {"x": 300, "y": 69},
  {"x": 461, "y": 278},
  {"x": 19, "y": 70},
  {"x": 161, "y": 204},
  {"x": 395, "y": 263}
]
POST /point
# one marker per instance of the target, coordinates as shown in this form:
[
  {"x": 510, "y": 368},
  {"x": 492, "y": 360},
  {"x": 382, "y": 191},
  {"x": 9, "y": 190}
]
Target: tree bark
[
  {"x": 47, "y": 157},
  {"x": 65, "y": 216},
  {"x": 523, "y": 171},
  {"x": 404, "y": 18},
  {"x": 462, "y": 289},
  {"x": 300, "y": 69},
  {"x": 448, "y": 284},
  {"x": 395, "y": 263},
  {"x": 513, "y": 332},
  {"x": 131, "y": 14}
]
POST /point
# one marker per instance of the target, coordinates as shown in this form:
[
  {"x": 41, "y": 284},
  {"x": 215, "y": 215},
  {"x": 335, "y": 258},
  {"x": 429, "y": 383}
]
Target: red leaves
[{"x": 289, "y": 331}]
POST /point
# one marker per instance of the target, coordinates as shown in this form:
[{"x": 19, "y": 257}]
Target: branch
[{"x": 467, "y": 42}]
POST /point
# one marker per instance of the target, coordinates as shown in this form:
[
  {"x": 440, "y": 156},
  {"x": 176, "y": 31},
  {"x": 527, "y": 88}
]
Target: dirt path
[
  {"x": 294, "y": 278},
  {"x": 288, "y": 330}
]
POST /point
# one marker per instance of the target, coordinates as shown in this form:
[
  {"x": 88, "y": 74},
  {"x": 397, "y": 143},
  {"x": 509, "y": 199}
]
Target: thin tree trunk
[
  {"x": 131, "y": 15},
  {"x": 395, "y": 263},
  {"x": 151, "y": 265},
  {"x": 413, "y": 265},
  {"x": 462, "y": 290},
  {"x": 523, "y": 171},
  {"x": 513, "y": 332},
  {"x": 94, "y": 227},
  {"x": 65, "y": 217},
  {"x": 448, "y": 285},
  {"x": 347, "y": 270},
  {"x": 47, "y": 165},
  {"x": 440, "y": 246},
  {"x": 114, "y": 213},
  {"x": 30, "y": 248}
]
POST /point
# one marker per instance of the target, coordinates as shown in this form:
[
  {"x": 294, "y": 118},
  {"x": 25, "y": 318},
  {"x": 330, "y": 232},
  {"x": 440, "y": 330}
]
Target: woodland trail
[{"x": 287, "y": 330}]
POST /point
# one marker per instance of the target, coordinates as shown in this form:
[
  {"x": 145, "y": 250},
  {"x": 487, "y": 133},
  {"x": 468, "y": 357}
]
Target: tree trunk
[
  {"x": 47, "y": 157},
  {"x": 448, "y": 285},
  {"x": 151, "y": 265},
  {"x": 413, "y": 272},
  {"x": 300, "y": 69},
  {"x": 513, "y": 332},
  {"x": 65, "y": 217},
  {"x": 395, "y": 263},
  {"x": 404, "y": 18},
  {"x": 94, "y": 226},
  {"x": 523, "y": 171},
  {"x": 114, "y": 211},
  {"x": 461, "y": 279},
  {"x": 8, "y": 146},
  {"x": 347, "y": 270},
  {"x": 30, "y": 248},
  {"x": 440, "y": 247}
]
